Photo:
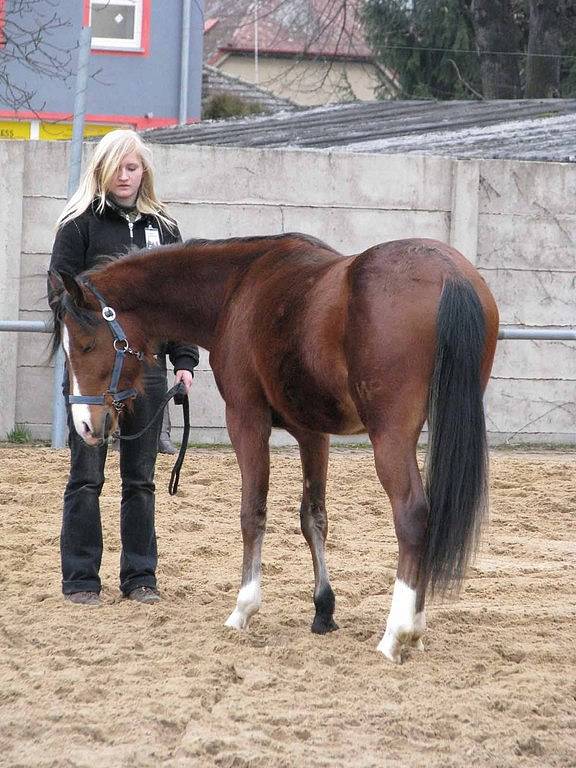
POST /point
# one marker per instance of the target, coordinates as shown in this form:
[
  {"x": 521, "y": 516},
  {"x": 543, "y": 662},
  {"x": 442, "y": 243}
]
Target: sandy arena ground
[{"x": 129, "y": 686}]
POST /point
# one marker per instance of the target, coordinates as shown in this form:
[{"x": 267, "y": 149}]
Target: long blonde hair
[{"x": 100, "y": 171}]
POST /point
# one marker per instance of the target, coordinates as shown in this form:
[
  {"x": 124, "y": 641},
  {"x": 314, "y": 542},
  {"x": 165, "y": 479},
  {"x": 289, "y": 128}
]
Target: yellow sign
[
  {"x": 14, "y": 129},
  {"x": 63, "y": 131}
]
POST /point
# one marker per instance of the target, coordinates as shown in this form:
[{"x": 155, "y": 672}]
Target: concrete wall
[{"x": 516, "y": 221}]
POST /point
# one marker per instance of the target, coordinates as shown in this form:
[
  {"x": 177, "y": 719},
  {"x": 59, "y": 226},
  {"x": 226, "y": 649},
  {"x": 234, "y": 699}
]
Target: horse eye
[{"x": 89, "y": 347}]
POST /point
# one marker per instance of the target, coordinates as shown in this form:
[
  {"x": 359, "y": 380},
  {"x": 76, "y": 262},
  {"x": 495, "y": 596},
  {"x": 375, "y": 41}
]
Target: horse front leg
[
  {"x": 398, "y": 472},
  {"x": 314, "y": 450},
  {"x": 249, "y": 438}
]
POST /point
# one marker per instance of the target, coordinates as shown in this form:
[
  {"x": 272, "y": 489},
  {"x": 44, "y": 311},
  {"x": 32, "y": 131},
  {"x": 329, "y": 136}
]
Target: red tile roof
[{"x": 328, "y": 28}]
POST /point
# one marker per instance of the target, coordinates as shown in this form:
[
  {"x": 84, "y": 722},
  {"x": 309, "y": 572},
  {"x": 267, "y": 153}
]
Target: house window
[{"x": 117, "y": 24}]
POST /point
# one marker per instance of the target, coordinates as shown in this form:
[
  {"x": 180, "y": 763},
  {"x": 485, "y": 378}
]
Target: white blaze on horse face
[
  {"x": 404, "y": 625},
  {"x": 80, "y": 412},
  {"x": 247, "y": 604}
]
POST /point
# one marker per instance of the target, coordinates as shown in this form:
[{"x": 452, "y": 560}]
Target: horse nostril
[{"x": 86, "y": 428}]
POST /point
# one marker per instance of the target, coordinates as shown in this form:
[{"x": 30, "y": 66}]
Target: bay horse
[{"x": 304, "y": 338}]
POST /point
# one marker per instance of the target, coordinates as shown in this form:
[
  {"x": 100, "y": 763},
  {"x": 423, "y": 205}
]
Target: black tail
[{"x": 457, "y": 463}]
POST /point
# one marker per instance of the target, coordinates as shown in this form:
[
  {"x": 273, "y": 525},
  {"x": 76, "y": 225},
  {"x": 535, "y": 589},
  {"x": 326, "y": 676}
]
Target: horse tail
[{"x": 456, "y": 474}]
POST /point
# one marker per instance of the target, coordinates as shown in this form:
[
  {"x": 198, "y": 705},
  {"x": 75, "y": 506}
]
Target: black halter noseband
[{"x": 122, "y": 348}]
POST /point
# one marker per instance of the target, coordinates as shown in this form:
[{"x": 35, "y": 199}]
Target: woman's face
[{"x": 127, "y": 179}]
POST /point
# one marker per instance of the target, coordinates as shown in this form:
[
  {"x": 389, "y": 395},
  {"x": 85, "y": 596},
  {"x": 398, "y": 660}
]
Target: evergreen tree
[
  {"x": 455, "y": 49},
  {"x": 430, "y": 46}
]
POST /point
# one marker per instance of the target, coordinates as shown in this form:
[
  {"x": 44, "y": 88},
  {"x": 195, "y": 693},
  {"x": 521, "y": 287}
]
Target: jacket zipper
[{"x": 131, "y": 228}]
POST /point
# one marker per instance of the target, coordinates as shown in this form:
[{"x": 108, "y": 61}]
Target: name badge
[{"x": 152, "y": 236}]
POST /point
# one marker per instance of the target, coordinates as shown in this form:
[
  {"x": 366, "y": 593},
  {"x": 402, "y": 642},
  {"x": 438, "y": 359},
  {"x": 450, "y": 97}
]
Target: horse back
[{"x": 282, "y": 333}]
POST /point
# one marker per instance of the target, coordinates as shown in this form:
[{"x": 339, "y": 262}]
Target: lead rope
[{"x": 178, "y": 392}]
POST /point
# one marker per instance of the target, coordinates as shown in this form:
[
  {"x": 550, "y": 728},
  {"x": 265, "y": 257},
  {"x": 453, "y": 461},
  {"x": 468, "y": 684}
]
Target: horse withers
[{"x": 304, "y": 338}]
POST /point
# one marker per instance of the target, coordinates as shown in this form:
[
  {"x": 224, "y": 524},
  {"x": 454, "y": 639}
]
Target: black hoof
[
  {"x": 325, "y": 603},
  {"x": 321, "y": 625}
]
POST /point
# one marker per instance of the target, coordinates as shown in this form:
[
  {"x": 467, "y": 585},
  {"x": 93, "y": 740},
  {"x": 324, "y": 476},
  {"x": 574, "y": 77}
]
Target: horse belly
[{"x": 303, "y": 400}]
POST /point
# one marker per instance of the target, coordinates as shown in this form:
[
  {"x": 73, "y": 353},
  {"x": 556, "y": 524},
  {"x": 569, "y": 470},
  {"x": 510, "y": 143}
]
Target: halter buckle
[{"x": 109, "y": 314}]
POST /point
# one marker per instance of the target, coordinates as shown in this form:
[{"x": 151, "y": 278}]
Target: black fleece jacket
[{"x": 80, "y": 241}]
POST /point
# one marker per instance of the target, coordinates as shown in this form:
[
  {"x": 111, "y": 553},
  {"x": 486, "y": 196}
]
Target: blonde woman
[{"x": 114, "y": 210}]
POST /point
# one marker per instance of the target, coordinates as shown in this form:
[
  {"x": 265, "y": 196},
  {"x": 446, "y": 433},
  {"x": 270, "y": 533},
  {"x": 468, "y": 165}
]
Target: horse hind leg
[
  {"x": 398, "y": 472},
  {"x": 314, "y": 450}
]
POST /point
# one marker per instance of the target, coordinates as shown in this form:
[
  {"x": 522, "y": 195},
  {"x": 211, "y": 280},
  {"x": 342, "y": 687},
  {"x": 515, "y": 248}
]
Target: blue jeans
[{"x": 81, "y": 535}]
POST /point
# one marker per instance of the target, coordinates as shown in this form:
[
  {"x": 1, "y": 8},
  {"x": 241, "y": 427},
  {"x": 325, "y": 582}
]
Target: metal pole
[
  {"x": 256, "y": 44},
  {"x": 59, "y": 406},
  {"x": 184, "y": 61},
  {"x": 537, "y": 334},
  {"x": 37, "y": 326}
]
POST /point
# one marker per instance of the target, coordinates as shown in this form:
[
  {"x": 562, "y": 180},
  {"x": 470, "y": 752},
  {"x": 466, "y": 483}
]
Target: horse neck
[{"x": 177, "y": 292}]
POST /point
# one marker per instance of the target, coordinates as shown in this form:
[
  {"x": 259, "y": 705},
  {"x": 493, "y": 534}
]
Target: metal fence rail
[
  {"x": 38, "y": 326},
  {"x": 523, "y": 332},
  {"x": 527, "y": 332}
]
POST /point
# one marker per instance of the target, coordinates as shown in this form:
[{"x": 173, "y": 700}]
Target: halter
[{"x": 122, "y": 347}]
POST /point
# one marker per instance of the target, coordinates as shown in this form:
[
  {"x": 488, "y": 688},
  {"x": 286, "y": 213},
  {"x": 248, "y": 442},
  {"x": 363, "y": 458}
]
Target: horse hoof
[
  {"x": 392, "y": 650},
  {"x": 236, "y": 621},
  {"x": 321, "y": 626}
]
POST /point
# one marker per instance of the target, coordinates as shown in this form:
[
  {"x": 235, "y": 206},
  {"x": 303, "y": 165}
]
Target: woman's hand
[{"x": 185, "y": 377}]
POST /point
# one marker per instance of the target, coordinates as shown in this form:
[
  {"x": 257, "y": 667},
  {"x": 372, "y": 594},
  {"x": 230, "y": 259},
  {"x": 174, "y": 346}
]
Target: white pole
[
  {"x": 256, "y": 73},
  {"x": 184, "y": 61},
  {"x": 58, "y": 405}
]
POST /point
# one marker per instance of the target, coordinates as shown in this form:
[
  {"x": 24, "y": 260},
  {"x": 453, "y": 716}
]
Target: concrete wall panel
[
  {"x": 45, "y": 166},
  {"x": 354, "y": 231},
  {"x": 533, "y": 298},
  {"x": 508, "y": 186},
  {"x": 34, "y": 403},
  {"x": 298, "y": 177},
  {"x": 527, "y": 242},
  {"x": 11, "y": 195},
  {"x": 530, "y": 410},
  {"x": 535, "y": 360},
  {"x": 519, "y": 217},
  {"x": 33, "y": 348},
  {"x": 40, "y": 214},
  {"x": 220, "y": 220},
  {"x": 34, "y": 291}
]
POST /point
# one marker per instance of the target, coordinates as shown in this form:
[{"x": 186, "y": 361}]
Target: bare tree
[
  {"x": 26, "y": 31},
  {"x": 314, "y": 32},
  {"x": 496, "y": 38}
]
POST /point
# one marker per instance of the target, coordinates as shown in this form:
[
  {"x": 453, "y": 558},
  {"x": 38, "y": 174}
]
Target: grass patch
[{"x": 20, "y": 434}]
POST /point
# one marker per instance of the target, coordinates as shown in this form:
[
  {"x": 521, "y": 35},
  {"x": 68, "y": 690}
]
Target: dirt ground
[{"x": 125, "y": 685}]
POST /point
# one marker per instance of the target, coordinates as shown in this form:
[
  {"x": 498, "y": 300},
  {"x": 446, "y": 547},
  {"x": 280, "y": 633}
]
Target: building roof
[
  {"x": 305, "y": 28},
  {"x": 534, "y": 129},
  {"x": 215, "y": 82}
]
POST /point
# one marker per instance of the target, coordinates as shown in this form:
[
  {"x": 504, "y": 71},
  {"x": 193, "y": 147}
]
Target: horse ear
[
  {"x": 72, "y": 288},
  {"x": 55, "y": 281}
]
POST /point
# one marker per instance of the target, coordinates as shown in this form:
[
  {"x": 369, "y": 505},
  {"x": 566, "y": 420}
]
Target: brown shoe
[
  {"x": 144, "y": 595},
  {"x": 83, "y": 598}
]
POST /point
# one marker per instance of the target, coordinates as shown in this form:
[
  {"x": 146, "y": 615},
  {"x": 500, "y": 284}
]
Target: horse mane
[
  {"x": 87, "y": 318},
  {"x": 255, "y": 238},
  {"x": 62, "y": 304}
]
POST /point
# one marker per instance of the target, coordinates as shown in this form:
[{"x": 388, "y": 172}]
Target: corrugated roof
[
  {"x": 536, "y": 129},
  {"x": 214, "y": 82}
]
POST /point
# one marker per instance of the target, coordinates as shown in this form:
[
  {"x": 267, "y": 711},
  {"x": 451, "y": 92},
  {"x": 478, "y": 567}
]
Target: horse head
[{"x": 104, "y": 352}]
